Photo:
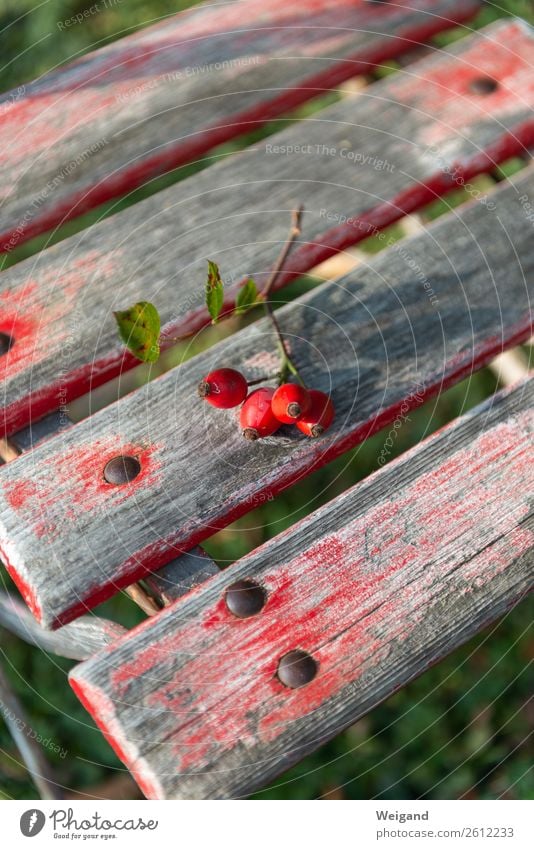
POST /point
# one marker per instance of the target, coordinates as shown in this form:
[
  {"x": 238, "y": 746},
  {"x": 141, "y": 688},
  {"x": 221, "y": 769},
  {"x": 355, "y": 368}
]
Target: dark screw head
[
  {"x": 6, "y": 343},
  {"x": 245, "y": 598},
  {"x": 296, "y": 668},
  {"x": 483, "y": 85},
  {"x": 121, "y": 470}
]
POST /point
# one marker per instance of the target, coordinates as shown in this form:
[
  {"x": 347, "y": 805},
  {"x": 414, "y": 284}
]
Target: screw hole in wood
[
  {"x": 121, "y": 470},
  {"x": 245, "y": 598},
  {"x": 6, "y": 342},
  {"x": 483, "y": 85},
  {"x": 296, "y": 668}
]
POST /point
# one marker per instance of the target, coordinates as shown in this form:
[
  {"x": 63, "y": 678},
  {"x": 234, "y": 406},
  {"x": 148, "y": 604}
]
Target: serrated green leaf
[
  {"x": 246, "y": 297},
  {"x": 139, "y": 329},
  {"x": 214, "y": 291}
]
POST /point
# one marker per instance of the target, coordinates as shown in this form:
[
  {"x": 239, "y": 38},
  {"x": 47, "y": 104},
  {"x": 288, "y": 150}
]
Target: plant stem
[
  {"x": 287, "y": 365},
  {"x": 294, "y": 232}
]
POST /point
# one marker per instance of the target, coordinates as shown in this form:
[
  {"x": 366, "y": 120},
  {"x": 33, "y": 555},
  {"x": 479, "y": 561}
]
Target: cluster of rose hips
[{"x": 264, "y": 410}]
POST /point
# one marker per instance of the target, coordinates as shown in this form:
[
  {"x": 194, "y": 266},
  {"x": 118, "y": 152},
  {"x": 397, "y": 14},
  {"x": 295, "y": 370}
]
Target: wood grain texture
[
  {"x": 119, "y": 116},
  {"x": 169, "y": 583},
  {"x": 376, "y": 586},
  {"x": 181, "y": 575},
  {"x": 424, "y": 314},
  {"x": 79, "y": 640},
  {"x": 356, "y": 166},
  {"x": 36, "y": 432}
]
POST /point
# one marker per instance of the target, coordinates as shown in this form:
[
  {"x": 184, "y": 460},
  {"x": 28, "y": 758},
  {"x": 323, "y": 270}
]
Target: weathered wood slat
[
  {"x": 78, "y": 640},
  {"x": 421, "y": 316},
  {"x": 182, "y": 575},
  {"x": 169, "y": 583},
  {"x": 36, "y": 432},
  {"x": 117, "y": 117},
  {"x": 349, "y": 164},
  {"x": 375, "y": 586}
]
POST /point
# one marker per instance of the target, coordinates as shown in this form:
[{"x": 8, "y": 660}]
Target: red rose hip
[
  {"x": 223, "y": 388},
  {"x": 289, "y": 402},
  {"x": 319, "y": 417},
  {"x": 256, "y": 416}
]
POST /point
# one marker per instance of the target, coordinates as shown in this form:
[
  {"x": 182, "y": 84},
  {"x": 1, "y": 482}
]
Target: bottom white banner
[{"x": 236, "y": 824}]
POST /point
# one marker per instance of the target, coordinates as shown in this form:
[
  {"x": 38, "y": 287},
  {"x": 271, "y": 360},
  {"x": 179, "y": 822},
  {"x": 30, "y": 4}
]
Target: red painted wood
[
  {"x": 375, "y": 335},
  {"x": 40, "y": 325},
  {"x": 377, "y": 584},
  {"x": 77, "y": 108}
]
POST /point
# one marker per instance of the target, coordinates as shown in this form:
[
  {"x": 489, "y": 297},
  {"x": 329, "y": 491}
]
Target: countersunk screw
[
  {"x": 121, "y": 470},
  {"x": 245, "y": 598},
  {"x": 483, "y": 85},
  {"x": 296, "y": 668},
  {"x": 6, "y": 342}
]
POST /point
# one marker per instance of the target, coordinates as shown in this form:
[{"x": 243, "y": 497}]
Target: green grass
[{"x": 457, "y": 730}]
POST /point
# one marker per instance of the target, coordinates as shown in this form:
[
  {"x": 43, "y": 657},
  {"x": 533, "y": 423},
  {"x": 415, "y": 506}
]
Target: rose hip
[
  {"x": 319, "y": 417},
  {"x": 223, "y": 388},
  {"x": 256, "y": 416},
  {"x": 289, "y": 402}
]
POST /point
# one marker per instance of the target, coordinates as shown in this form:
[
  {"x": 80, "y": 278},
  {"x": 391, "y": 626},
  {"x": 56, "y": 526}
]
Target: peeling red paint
[
  {"x": 448, "y": 92},
  {"x": 60, "y": 105},
  {"x": 33, "y": 406},
  {"x": 223, "y": 691},
  {"x": 89, "y": 699},
  {"x": 82, "y": 470},
  {"x": 157, "y": 554},
  {"x": 324, "y": 600},
  {"x": 18, "y": 493},
  {"x": 26, "y": 590}
]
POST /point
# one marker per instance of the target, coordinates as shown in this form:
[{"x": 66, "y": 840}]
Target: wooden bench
[{"x": 364, "y": 593}]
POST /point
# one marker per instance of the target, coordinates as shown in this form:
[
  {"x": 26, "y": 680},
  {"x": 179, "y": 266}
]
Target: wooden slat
[
  {"x": 117, "y": 117},
  {"x": 166, "y": 585},
  {"x": 182, "y": 575},
  {"x": 58, "y": 305},
  {"x": 384, "y": 338},
  {"x": 79, "y": 640},
  {"x": 36, "y": 432},
  {"x": 378, "y": 584}
]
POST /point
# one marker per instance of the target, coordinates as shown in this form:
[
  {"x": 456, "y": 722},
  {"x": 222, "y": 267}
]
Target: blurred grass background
[{"x": 461, "y": 728}]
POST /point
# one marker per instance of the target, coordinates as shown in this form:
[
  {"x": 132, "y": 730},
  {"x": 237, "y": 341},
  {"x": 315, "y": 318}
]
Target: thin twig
[
  {"x": 294, "y": 232},
  {"x": 287, "y": 364},
  {"x": 142, "y": 599},
  {"x": 30, "y": 752},
  {"x": 8, "y": 451}
]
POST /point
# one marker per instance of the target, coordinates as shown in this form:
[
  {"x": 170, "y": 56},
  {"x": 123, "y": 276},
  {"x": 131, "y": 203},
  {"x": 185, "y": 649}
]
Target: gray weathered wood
[
  {"x": 411, "y": 137},
  {"x": 422, "y": 315},
  {"x": 115, "y": 118},
  {"x": 181, "y": 575},
  {"x": 169, "y": 583},
  {"x": 376, "y": 585},
  {"x": 78, "y": 640},
  {"x": 31, "y": 436}
]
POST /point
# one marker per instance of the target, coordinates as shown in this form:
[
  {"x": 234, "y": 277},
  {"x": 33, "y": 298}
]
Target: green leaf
[
  {"x": 246, "y": 297},
  {"x": 214, "y": 291},
  {"x": 139, "y": 328}
]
